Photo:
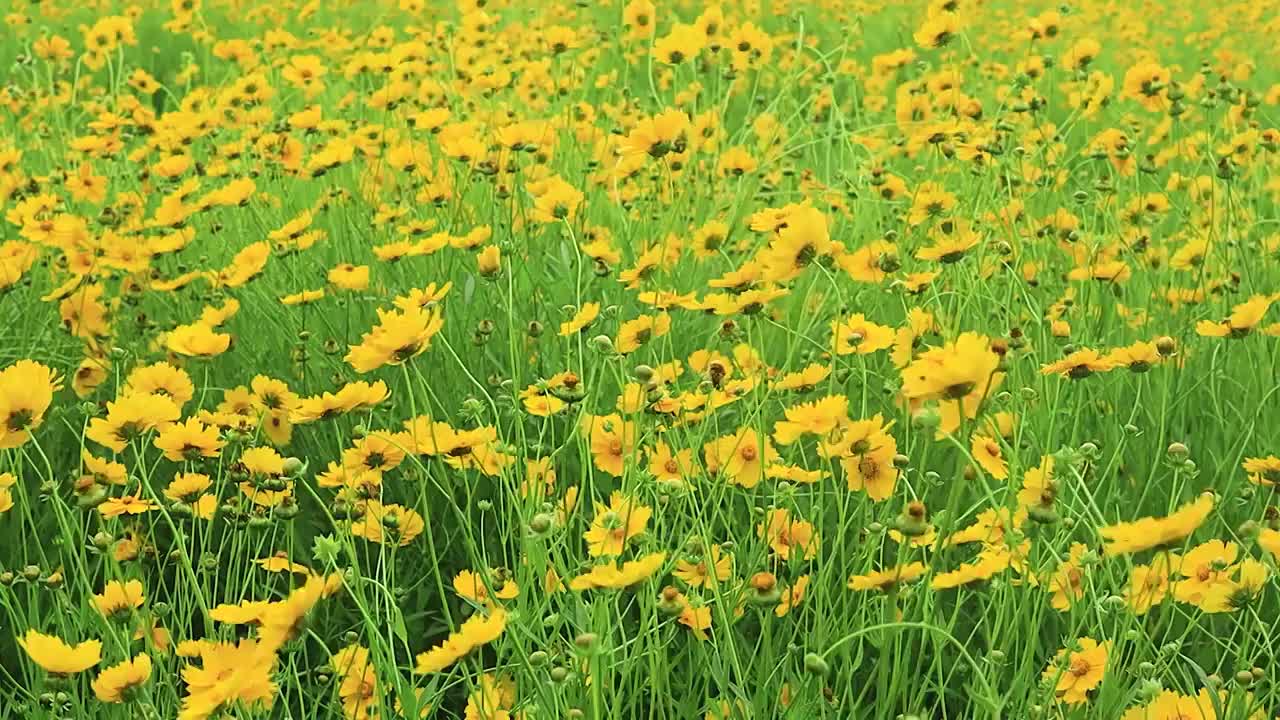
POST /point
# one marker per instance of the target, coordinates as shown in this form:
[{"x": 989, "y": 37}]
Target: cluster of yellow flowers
[{"x": 868, "y": 320}]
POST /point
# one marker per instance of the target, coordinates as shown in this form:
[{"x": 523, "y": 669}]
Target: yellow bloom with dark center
[
  {"x": 119, "y": 598},
  {"x": 397, "y": 338},
  {"x": 1138, "y": 357},
  {"x": 803, "y": 239},
  {"x": 634, "y": 334},
  {"x": 1243, "y": 319},
  {"x": 1203, "y": 567},
  {"x": 1242, "y": 586},
  {"x": 489, "y": 261},
  {"x": 886, "y": 580},
  {"x": 161, "y": 378},
  {"x": 658, "y": 135},
  {"x": 696, "y": 570},
  {"x": 483, "y": 588},
  {"x": 1079, "y": 364},
  {"x": 615, "y": 525},
  {"x": 581, "y": 319},
  {"x": 987, "y": 453},
  {"x": 951, "y": 372},
  {"x": 117, "y": 683},
  {"x": 388, "y": 524},
  {"x": 937, "y": 30},
  {"x": 376, "y": 453},
  {"x": 1074, "y": 673},
  {"x": 858, "y": 335},
  {"x": 26, "y": 392},
  {"x": 126, "y": 505},
  {"x": 789, "y": 537},
  {"x": 189, "y": 441},
  {"x": 683, "y": 42},
  {"x": 1263, "y": 471},
  {"x": 741, "y": 458},
  {"x": 346, "y": 276}
]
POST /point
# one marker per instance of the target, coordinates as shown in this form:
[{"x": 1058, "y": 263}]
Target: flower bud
[{"x": 814, "y": 664}]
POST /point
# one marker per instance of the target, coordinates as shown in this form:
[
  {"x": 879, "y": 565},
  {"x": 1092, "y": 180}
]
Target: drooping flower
[
  {"x": 56, "y": 656},
  {"x": 480, "y": 629},
  {"x": 1153, "y": 532},
  {"x": 117, "y": 683}
]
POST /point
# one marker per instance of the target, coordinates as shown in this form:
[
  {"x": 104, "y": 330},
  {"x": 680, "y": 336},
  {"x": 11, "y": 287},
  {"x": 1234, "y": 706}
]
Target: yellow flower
[
  {"x": 489, "y": 261},
  {"x": 280, "y": 562},
  {"x": 1149, "y": 584},
  {"x": 479, "y": 629},
  {"x": 615, "y": 524},
  {"x": 126, "y": 505},
  {"x": 130, "y": 417},
  {"x": 1202, "y": 567},
  {"x": 1079, "y": 364},
  {"x": 483, "y": 588},
  {"x": 197, "y": 340},
  {"x": 953, "y": 371},
  {"x": 1263, "y": 471},
  {"x": 189, "y": 441},
  {"x": 740, "y": 458},
  {"x": 57, "y": 657},
  {"x": 398, "y": 337},
  {"x": 227, "y": 674},
  {"x": 1243, "y": 584},
  {"x": 816, "y": 418},
  {"x": 116, "y": 683},
  {"x": 791, "y": 596},
  {"x": 696, "y": 617},
  {"x": 1138, "y": 357},
  {"x": 986, "y": 451},
  {"x": 1244, "y": 317},
  {"x": 635, "y": 333},
  {"x": 858, "y": 335},
  {"x": 1155, "y": 532},
  {"x": 612, "y": 576},
  {"x": 1076, "y": 672},
  {"x": 388, "y": 524},
  {"x": 696, "y": 571},
  {"x": 119, "y": 598},
  {"x": 581, "y": 319},
  {"x": 789, "y": 537},
  {"x": 350, "y": 277},
  {"x": 26, "y": 392},
  {"x": 885, "y": 580},
  {"x": 612, "y": 440},
  {"x": 1269, "y": 540}
]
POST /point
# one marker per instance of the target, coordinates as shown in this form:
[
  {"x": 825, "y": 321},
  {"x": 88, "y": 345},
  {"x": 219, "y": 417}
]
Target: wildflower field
[{"x": 514, "y": 360}]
